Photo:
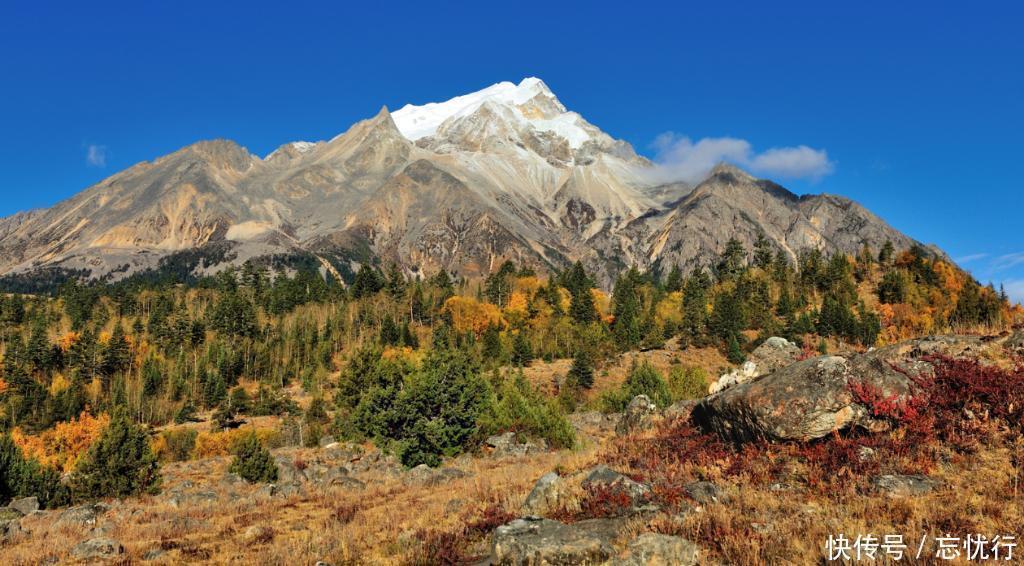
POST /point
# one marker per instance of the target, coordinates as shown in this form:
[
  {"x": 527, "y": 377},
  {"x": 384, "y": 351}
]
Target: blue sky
[{"x": 916, "y": 110}]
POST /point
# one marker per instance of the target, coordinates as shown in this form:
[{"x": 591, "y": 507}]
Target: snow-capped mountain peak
[{"x": 532, "y": 101}]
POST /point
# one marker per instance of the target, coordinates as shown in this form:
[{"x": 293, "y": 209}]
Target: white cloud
[
  {"x": 678, "y": 158},
  {"x": 96, "y": 155},
  {"x": 1007, "y": 261},
  {"x": 971, "y": 257}
]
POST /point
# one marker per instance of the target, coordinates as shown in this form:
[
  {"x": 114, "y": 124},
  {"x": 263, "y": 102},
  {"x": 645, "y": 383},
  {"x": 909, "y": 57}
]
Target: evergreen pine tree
[
  {"x": 252, "y": 461},
  {"x": 120, "y": 463},
  {"x": 581, "y": 374}
]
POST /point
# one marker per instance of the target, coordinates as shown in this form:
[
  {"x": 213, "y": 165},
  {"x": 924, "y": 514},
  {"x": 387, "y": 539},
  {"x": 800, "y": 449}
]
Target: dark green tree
[
  {"x": 252, "y": 462},
  {"x": 120, "y": 463}
]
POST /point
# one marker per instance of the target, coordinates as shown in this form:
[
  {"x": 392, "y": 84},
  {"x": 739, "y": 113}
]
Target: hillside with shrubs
[{"x": 265, "y": 380}]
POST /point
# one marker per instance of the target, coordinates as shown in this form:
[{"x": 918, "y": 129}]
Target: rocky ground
[{"x": 782, "y": 456}]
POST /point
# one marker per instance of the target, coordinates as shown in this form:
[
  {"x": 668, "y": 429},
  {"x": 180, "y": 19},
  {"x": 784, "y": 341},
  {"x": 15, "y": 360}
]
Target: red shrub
[
  {"x": 493, "y": 517},
  {"x": 605, "y": 501}
]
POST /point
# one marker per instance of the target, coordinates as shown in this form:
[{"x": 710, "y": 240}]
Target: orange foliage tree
[
  {"x": 63, "y": 445},
  {"x": 468, "y": 314}
]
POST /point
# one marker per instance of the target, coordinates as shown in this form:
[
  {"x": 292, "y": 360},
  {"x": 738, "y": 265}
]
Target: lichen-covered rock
[
  {"x": 803, "y": 401},
  {"x": 545, "y": 495},
  {"x": 82, "y": 515},
  {"x": 101, "y": 547},
  {"x": 10, "y": 523},
  {"x": 25, "y": 505},
  {"x": 904, "y": 486},
  {"x": 533, "y": 541},
  {"x": 639, "y": 415},
  {"x": 424, "y": 474},
  {"x": 653, "y": 549},
  {"x": 507, "y": 444}
]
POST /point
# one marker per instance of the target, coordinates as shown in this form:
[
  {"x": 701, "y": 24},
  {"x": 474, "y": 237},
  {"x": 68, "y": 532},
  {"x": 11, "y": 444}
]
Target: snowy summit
[{"x": 531, "y": 100}]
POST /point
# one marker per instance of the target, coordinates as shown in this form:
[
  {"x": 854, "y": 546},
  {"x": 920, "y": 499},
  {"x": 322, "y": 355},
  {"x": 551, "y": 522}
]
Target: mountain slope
[{"x": 504, "y": 173}]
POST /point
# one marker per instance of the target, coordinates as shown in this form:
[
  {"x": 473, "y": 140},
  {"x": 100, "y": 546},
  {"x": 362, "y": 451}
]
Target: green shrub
[
  {"x": 23, "y": 477},
  {"x": 436, "y": 412},
  {"x": 179, "y": 443},
  {"x": 642, "y": 379},
  {"x": 120, "y": 463},
  {"x": 252, "y": 461},
  {"x": 687, "y": 383},
  {"x": 517, "y": 406}
]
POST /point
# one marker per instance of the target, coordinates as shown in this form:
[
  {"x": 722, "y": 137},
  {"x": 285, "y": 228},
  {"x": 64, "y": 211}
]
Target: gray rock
[
  {"x": 639, "y": 415},
  {"x": 424, "y": 474},
  {"x": 288, "y": 472},
  {"x": 533, "y": 541},
  {"x": 680, "y": 409},
  {"x": 257, "y": 534},
  {"x": 904, "y": 486},
  {"x": 153, "y": 554},
  {"x": 82, "y": 515},
  {"x": 545, "y": 495},
  {"x": 507, "y": 444},
  {"x": 182, "y": 498},
  {"x": 267, "y": 490},
  {"x": 326, "y": 441},
  {"x": 101, "y": 547},
  {"x": 652, "y": 549},
  {"x": 703, "y": 492},
  {"x": 10, "y": 523},
  {"x": 26, "y": 505}
]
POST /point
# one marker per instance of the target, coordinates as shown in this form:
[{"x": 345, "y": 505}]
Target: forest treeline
[{"x": 422, "y": 365}]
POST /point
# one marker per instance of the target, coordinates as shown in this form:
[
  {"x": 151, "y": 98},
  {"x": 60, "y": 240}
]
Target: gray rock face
[
  {"x": 904, "y": 486},
  {"x": 25, "y": 505},
  {"x": 652, "y": 549},
  {"x": 639, "y": 415},
  {"x": 97, "y": 548},
  {"x": 806, "y": 400},
  {"x": 533, "y": 541},
  {"x": 545, "y": 495}
]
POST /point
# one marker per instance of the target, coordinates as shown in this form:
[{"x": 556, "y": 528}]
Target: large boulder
[
  {"x": 773, "y": 354},
  {"x": 639, "y": 415},
  {"x": 805, "y": 400},
  {"x": 97, "y": 548},
  {"x": 545, "y": 495},
  {"x": 25, "y": 505},
  {"x": 533, "y": 541}
]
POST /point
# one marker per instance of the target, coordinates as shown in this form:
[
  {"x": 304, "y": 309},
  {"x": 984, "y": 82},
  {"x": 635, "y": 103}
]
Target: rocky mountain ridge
[{"x": 505, "y": 173}]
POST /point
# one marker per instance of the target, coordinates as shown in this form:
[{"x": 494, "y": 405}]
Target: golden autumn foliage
[
  {"x": 668, "y": 310},
  {"x": 527, "y": 285},
  {"x": 58, "y": 384},
  {"x": 67, "y": 340},
  {"x": 518, "y": 307},
  {"x": 64, "y": 444},
  {"x": 468, "y": 314},
  {"x": 221, "y": 443},
  {"x": 3, "y": 385}
]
